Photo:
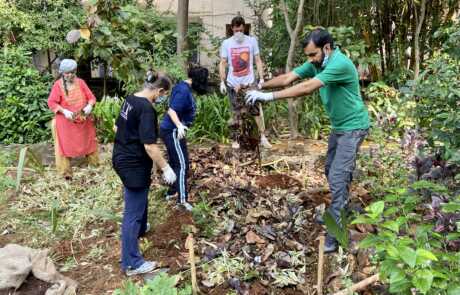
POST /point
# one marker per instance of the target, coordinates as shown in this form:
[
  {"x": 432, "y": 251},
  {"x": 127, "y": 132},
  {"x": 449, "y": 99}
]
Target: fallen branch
[
  {"x": 273, "y": 162},
  {"x": 16, "y": 168},
  {"x": 246, "y": 163},
  {"x": 210, "y": 244},
  {"x": 319, "y": 283},
  {"x": 359, "y": 286}
]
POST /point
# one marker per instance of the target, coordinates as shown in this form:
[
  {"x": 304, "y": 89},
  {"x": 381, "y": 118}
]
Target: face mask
[
  {"x": 325, "y": 60},
  {"x": 239, "y": 37},
  {"x": 161, "y": 99}
]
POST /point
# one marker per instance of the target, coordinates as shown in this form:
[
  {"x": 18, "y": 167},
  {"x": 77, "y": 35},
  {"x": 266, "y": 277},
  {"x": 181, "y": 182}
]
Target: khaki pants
[{"x": 62, "y": 162}]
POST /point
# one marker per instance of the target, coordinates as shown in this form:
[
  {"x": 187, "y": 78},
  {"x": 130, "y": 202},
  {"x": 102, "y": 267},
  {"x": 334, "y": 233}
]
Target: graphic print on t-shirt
[
  {"x": 126, "y": 107},
  {"x": 240, "y": 61}
]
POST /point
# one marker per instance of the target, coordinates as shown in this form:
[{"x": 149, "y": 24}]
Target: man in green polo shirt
[{"x": 336, "y": 77}]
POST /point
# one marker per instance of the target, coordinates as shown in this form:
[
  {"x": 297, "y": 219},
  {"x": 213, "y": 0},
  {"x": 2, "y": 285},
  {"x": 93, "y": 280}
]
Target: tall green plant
[
  {"x": 106, "y": 112},
  {"x": 211, "y": 118},
  {"x": 20, "y": 168}
]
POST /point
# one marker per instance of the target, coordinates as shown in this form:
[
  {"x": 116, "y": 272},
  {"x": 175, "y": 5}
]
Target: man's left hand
[{"x": 253, "y": 96}]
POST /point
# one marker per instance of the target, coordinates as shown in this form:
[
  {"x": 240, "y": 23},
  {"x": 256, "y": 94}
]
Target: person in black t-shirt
[{"x": 134, "y": 152}]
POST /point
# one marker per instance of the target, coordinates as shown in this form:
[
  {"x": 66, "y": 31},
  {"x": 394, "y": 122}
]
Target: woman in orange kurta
[{"x": 73, "y": 126}]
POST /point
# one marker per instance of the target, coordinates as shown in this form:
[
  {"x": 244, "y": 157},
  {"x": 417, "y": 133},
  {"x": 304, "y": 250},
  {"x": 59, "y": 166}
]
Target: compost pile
[{"x": 257, "y": 225}]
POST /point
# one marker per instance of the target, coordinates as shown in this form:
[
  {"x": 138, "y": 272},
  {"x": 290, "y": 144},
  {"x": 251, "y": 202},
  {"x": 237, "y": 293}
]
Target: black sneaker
[{"x": 330, "y": 245}]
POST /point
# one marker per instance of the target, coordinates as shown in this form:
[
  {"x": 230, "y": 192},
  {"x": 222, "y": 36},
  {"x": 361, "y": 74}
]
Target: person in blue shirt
[{"x": 173, "y": 127}]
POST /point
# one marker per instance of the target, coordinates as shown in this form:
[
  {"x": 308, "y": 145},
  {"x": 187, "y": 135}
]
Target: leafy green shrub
[
  {"x": 171, "y": 65},
  {"x": 162, "y": 284},
  {"x": 437, "y": 95},
  {"x": 120, "y": 40},
  {"x": 387, "y": 109},
  {"x": 23, "y": 98},
  {"x": 202, "y": 216},
  {"x": 106, "y": 112},
  {"x": 412, "y": 250},
  {"x": 12, "y": 21}
]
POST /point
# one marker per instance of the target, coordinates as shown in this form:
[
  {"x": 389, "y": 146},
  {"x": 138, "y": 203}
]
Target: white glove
[
  {"x": 87, "y": 110},
  {"x": 259, "y": 85},
  {"x": 181, "y": 130},
  {"x": 168, "y": 174},
  {"x": 223, "y": 87},
  {"x": 254, "y": 95},
  {"x": 67, "y": 114}
]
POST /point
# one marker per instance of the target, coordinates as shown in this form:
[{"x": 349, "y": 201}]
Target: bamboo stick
[
  {"x": 189, "y": 244},
  {"x": 319, "y": 283}
]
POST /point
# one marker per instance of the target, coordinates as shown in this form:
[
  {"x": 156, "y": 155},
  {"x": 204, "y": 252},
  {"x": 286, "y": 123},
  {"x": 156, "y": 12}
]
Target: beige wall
[{"x": 214, "y": 14}]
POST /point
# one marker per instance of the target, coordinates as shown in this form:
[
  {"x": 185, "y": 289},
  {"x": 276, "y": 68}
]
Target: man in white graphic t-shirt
[{"x": 238, "y": 53}]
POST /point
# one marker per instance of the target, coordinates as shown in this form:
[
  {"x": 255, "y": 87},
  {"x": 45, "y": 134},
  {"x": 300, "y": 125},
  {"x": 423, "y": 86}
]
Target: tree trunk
[
  {"x": 104, "y": 87},
  {"x": 48, "y": 56},
  {"x": 419, "y": 21},
  {"x": 182, "y": 27},
  {"x": 380, "y": 38},
  {"x": 293, "y": 33},
  {"x": 316, "y": 4},
  {"x": 387, "y": 27}
]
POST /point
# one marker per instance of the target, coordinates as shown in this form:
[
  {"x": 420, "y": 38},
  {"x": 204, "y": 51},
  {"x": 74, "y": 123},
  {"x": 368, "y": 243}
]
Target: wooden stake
[
  {"x": 319, "y": 283},
  {"x": 359, "y": 286},
  {"x": 189, "y": 244}
]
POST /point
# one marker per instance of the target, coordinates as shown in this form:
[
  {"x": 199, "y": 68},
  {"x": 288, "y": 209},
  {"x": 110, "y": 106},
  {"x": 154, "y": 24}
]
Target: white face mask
[
  {"x": 239, "y": 37},
  {"x": 325, "y": 60}
]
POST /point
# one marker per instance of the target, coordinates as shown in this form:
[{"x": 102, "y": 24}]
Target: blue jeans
[
  {"x": 341, "y": 161},
  {"x": 179, "y": 162},
  {"x": 133, "y": 226}
]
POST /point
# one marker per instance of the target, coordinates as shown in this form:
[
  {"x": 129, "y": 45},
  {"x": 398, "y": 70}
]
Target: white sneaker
[
  {"x": 146, "y": 267},
  {"x": 235, "y": 145},
  {"x": 170, "y": 197},
  {"x": 187, "y": 206},
  {"x": 148, "y": 227},
  {"x": 264, "y": 142}
]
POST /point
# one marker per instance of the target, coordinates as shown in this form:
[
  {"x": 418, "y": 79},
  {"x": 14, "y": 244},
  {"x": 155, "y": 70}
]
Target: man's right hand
[
  {"x": 181, "y": 129},
  {"x": 168, "y": 174},
  {"x": 223, "y": 87},
  {"x": 67, "y": 114}
]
